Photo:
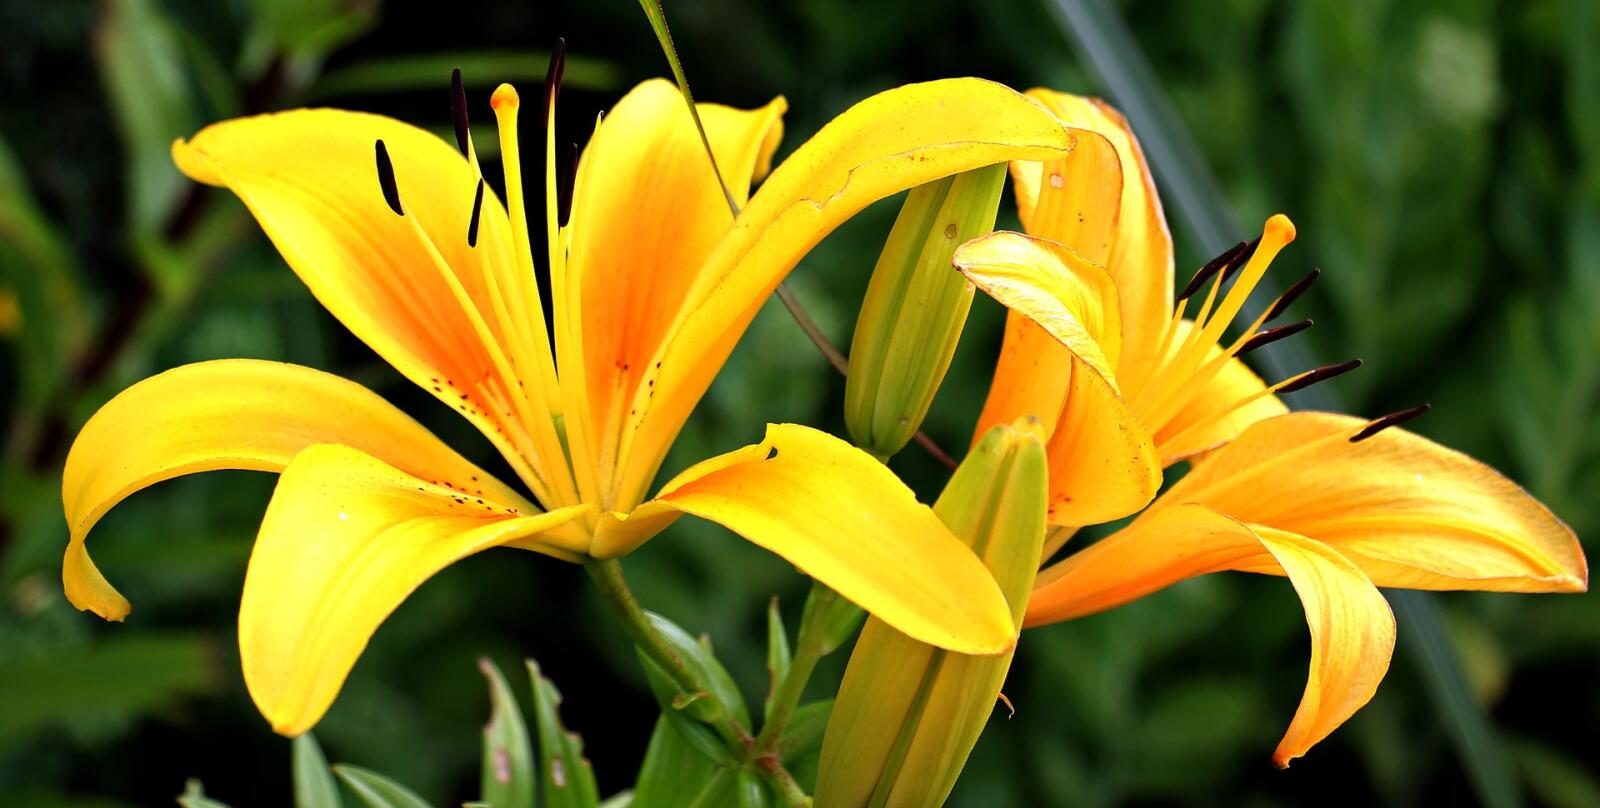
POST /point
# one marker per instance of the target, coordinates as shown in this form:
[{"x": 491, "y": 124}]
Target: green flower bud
[
  {"x": 908, "y": 714},
  {"x": 915, "y": 307}
]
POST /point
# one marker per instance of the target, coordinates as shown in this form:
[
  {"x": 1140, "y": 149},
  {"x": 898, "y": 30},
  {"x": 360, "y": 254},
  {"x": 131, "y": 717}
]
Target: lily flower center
[{"x": 1191, "y": 353}]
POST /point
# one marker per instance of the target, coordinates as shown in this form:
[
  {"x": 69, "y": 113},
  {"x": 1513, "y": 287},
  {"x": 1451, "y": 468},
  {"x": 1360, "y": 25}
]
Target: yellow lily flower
[
  {"x": 1127, "y": 385},
  {"x": 652, "y": 280}
]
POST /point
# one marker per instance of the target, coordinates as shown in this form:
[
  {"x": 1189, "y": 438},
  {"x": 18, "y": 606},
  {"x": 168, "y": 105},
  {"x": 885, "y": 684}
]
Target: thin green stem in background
[{"x": 1116, "y": 63}]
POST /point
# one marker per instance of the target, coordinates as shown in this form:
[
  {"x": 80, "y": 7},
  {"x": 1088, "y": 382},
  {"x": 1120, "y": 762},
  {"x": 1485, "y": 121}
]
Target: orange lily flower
[
  {"x": 652, "y": 280},
  {"x": 1127, "y": 385}
]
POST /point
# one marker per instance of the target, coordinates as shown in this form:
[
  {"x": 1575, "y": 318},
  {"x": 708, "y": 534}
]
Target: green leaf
[
  {"x": 675, "y": 771},
  {"x": 508, "y": 779},
  {"x": 673, "y": 703},
  {"x": 40, "y": 274},
  {"x": 708, "y": 672},
  {"x": 376, "y": 790},
  {"x": 194, "y": 796},
  {"x": 777, "y": 653},
  {"x": 801, "y": 744},
  {"x": 1558, "y": 779},
  {"x": 568, "y": 777},
  {"x": 151, "y": 101},
  {"x": 312, "y": 28},
  {"x": 122, "y": 674},
  {"x": 485, "y": 68},
  {"x": 314, "y": 786}
]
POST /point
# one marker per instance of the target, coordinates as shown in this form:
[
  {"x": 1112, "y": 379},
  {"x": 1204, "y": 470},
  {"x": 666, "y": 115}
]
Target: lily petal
[
  {"x": 234, "y": 414},
  {"x": 1080, "y": 194},
  {"x": 308, "y": 177},
  {"x": 647, "y": 213},
  {"x": 1103, "y": 465},
  {"x": 1352, "y": 628},
  {"x": 1409, "y": 512},
  {"x": 1141, "y": 255},
  {"x": 1352, "y": 637},
  {"x": 345, "y": 539},
  {"x": 847, "y": 521},
  {"x": 892, "y": 141}
]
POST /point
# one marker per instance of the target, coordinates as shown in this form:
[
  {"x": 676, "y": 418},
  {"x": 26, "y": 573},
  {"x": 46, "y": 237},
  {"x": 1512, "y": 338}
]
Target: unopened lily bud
[
  {"x": 915, "y": 308},
  {"x": 908, "y": 714}
]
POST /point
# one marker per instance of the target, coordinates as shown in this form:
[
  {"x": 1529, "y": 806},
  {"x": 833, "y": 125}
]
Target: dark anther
[
  {"x": 1240, "y": 260},
  {"x": 1288, "y": 298},
  {"x": 1211, "y": 268},
  {"x": 569, "y": 176},
  {"x": 477, "y": 208},
  {"x": 552, "y": 77},
  {"x": 458, "y": 109},
  {"x": 772, "y": 452},
  {"x": 1321, "y": 374},
  {"x": 391, "y": 191},
  {"x": 1392, "y": 419},
  {"x": 1272, "y": 335}
]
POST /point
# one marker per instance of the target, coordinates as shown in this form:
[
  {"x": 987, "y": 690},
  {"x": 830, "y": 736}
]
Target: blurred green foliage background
[{"x": 1441, "y": 158}]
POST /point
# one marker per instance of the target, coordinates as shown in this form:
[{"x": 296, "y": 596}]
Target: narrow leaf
[
  {"x": 314, "y": 786},
  {"x": 568, "y": 778},
  {"x": 676, "y": 771},
  {"x": 508, "y": 779},
  {"x": 376, "y": 790},
  {"x": 777, "y": 653}
]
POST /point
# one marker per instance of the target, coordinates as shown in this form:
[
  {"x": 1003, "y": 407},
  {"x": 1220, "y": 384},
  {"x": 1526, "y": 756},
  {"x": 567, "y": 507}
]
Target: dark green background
[{"x": 1440, "y": 160}]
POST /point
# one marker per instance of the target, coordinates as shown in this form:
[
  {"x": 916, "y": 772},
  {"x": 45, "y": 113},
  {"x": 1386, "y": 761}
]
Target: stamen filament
[
  {"x": 542, "y": 456},
  {"x": 505, "y": 104},
  {"x": 1292, "y": 384}
]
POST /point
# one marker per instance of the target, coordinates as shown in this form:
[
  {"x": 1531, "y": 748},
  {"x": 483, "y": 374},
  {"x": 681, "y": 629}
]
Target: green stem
[
  {"x": 613, "y": 587},
  {"x": 789, "y": 792},
  {"x": 810, "y": 647}
]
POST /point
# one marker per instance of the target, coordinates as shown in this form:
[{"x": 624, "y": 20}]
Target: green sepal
[
  {"x": 908, "y": 714},
  {"x": 314, "y": 786},
  {"x": 915, "y": 308},
  {"x": 508, "y": 779},
  {"x": 376, "y": 790}
]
